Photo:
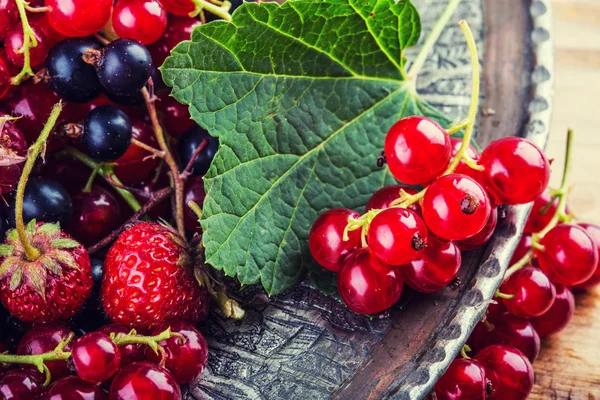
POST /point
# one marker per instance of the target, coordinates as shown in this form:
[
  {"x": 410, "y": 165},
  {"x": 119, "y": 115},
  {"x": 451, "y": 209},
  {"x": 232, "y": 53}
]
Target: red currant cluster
[{"x": 113, "y": 360}]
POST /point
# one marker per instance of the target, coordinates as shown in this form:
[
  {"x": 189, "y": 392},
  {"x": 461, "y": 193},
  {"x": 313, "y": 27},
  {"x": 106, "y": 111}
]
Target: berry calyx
[
  {"x": 529, "y": 293},
  {"x": 96, "y": 357}
]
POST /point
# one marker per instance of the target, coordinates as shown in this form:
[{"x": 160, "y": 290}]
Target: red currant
[
  {"x": 532, "y": 290},
  {"x": 9, "y": 15},
  {"x": 594, "y": 232},
  {"x": 96, "y": 357},
  {"x": 481, "y": 238},
  {"x": 435, "y": 268},
  {"x": 462, "y": 167},
  {"x": 522, "y": 248},
  {"x": 194, "y": 191},
  {"x": 43, "y": 339},
  {"x": 178, "y": 30},
  {"x": 509, "y": 371},
  {"x": 463, "y": 380},
  {"x": 544, "y": 208},
  {"x": 11, "y": 140},
  {"x": 20, "y": 384},
  {"x": 367, "y": 285},
  {"x": 516, "y": 170},
  {"x": 417, "y": 150},
  {"x": 137, "y": 165},
  {"x": 130, "y": 353},
  {"x": 558, "y": 316},
  {"x": 455, "y": 207},
  {"x": 79, "y": 18},
  {"x": 384, "y": 197},
  {"x": 73, "y": 388},
  {"x": 142, "y": 20},
  {"x": 397, "y": 236},
  {"x": 179, "y": 7},
  {"x": 569, "y": 255},
  {"x": 95, "y": 214},
  {"x": 142, "y": 381},
  {"x": 175, "y": 116},
  {"x": 14, "y": 42},
  {"x": 326, "y": 237}
]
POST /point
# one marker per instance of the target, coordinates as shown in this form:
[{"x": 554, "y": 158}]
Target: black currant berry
[
  {"x": 189, "y": 142},
  {"x": 106, "y": 133},
  {"x": 45, "y": 200},
  {"x": 70, "y": 77},
  {"x": 97, "y": 272},
  {"x": 124, "y": 67}
]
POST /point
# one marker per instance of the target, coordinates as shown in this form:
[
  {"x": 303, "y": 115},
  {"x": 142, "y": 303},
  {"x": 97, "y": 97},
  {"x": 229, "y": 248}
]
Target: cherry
[
  {"x": 509, "y": 371},
  {"x": 20, "y": 384},
  {"x": 136, "y": 165},
  {"x": 69, "y": 171},
  {"x": 73, "y": 388},
  {"x": 141, "y": 20},
  {"x": 9, "y": 15},
  {"x": 106, "y": 134},
  {"x": 6, "y": 73},
  {"x": 397, "y": 236},
  {"x": 569, "y": 255},
  {"x": 367, "y": 285},
  {"x": 130, "y": 353},
  {"x": 532, "y": 290},
  {"x": 194, "y": 191},
  {"x": 13, "y": 142},
  {"x": 141, "y": 381},
  {"x": 558, "y": 316},
  {"x": 14, "y": 42},
  {"x": 96, "y": 357},
  {"x": 435, "y": 268},
  {"x": 187, "y": 145},
  {"x": 79, "y": 18},
  {"x": 482, "y": 237},
  {"x": 175, "y": 116},
  {"x": 417, "y": 150},
  {"x": 45, "y": 200},
  {"x": 544, "y": 208},
  {"x": 178, "y": 30},
  {"x": 384, "y": 197},
  {"x": 463, "y": 380},
  {"x": 462, "y": 167},
  {"x": 594, "y": 232},
  {"x": 184, "y": 359},
  {"x": 179, "y": 7},
  {"x": 95, "y": 214},
  {"x": 43, "y": 339},
  {"x": 523, "y": 247},
  {"x": 326, "y": 237},
  {"x": 516, "y": 170},
  {"x": 455, "y": 207}
]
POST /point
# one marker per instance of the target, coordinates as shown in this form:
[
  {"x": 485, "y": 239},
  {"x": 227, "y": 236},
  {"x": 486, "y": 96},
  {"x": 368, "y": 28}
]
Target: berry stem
[
  {"x": 501, "y": 295},
  {"x": 150, "y": 341},
  {"x": 221, "y": 11},
  {"x": 29, "y": 41},
  {"x": 149, "y": 149},
  {"x": 522, "y": 263},
  {"x": 460, "y": 125},
  {"x": 38, "y": 147},
  {"x": 464, "y": 350},
  {"x": 90, "y": 181},
  {"x": 188, "y": 168}
]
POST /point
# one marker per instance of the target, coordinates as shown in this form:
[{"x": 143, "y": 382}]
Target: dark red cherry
[
  {"x": 174, "y": 115},
  {"x": 594, "y": 232},
  {"x": 509, "y": 371},
  {"x": 130, "y": 353},
  {"x": 481, "y": 238},
  {"x": 544, "y": 208},
  {"x": 73, "y": 388},
  {"x": 135, "y": 165},
  {"x": 384, "y": 197},
  {"x": 178, "y": 29},
  {"x": 14, "y": 42},
  {"x": 558, "y": 316},
  {"x": 144, "y": 381},
  {"x": 141, "y": 20},
  {"x": 95, "y": 214},
  {"x": 96, "y": 357},
  {"x": 435, "y": 268},
  {"x": 463, "y": 380},
  {"x": 366, "y": 285},
  {"x": 12, "y": 141},
  {"x": 43, "y": 339},
  {"x": 532, "y": 290},
  {"x": 194, "y": 191},
  {"x": 20, "y": 384},
  {"x": 72, "y": 173}
]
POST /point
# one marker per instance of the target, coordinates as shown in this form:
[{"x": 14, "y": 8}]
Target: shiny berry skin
[
  {"x": 70, "y": 77},
  {"x": 594, "y": 232},
  {"x": 326, "y": 237},
  {"x": 125, "y": 67},
  {"x": 455, "y": 207},
  {"x": 79, "y": 18},
  {"x": 189, "y": 142},
  {"x": 43, "y": 339},
  {"x": 417, "y": 150},
  {"x": 96, "y": 357},
  {"x": 174, "y": 115},
  {"x": 463, "y": 380},
  {"x": 462, "y": 167},
  {"x": 73, "y": 388},
  {"x": 20, "y": 384},
  {"x": 130, "y": 353},
  {"x": 9, "y": 15},
  {"x": 95, "y": 214},
  {"x": 509, "y": 371},
  {"x": 538, "y": 221},
  {"x": 142, "y": 381},
  {"x": 558, "y": 316},
  {"x": 6, "y": 74},
  {"x": 179, "y": 7},
  {"x": 45, "y": 200},
  {"x": 136, "y": 165},
  {"x": 384, "y": 197},
  {"x": 516, "y": 170},
  {"x": 435, "y": 268},
  {"x": 570, "y": 255},
  {"x": 533, "y": 293},
  {"x": 523, "y": 247},
  {"x": 178, "y": 29},
  {"x": 13, "y": 142},
  {"x": 397, "y": 236},
  {"x": 482, "y": 237},
  {"x": 141, "y": 20},
  {"x": 193, "y": 191},
  {"x": 106, "y": 133},
  {"x": 14, "y": 42},
  {"x": 185, "y": 360},
  {"x": 366, "y": 285}
]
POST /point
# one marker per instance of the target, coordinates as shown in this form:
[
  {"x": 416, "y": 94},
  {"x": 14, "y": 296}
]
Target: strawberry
[
  {"x": 51, "y": 287},
  {"x": 149, "y": 278}
]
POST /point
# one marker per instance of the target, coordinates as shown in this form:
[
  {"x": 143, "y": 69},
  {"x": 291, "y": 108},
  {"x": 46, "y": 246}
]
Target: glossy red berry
[
  {"x": 137, "y": 165},
  {"x": 20, "y": 384},
  {"x": 142, "y": 381},
  {"x": 14, "y": 42},
  {"x": 384, "y": 197},
  {"x": 366, "y": 285},
  {"x": 43, "y": 339},
  {"x": 142, "y": 20},
  {"x": 178, "y": 30},
  {"x": 326, "y": 237},
  {"x": 516, "y": 170},
  {"x": 532, "y": 290},
  {"x": 594, "y": 232},
  {"x": 544, "y": 208},
  {"x": 9, "y": 15},
  {"x": 73, "y": 388},
  {"x": 193, "y": 191},
  {"x": 455, "y": 207},
  {"x": 174, "y": 115},
  {"x": 130, "y": 353},
  {"x": 417, "y": 150},
  {"x": 462, "y": 167},
  {"x": 179, "y": 7},
  {"x": 558, "y": 316},
  {"x": 96, "y": 357},
  {"x": 569, "y": 256},
  {"x": 509, "y": 371},
  {"x": 397, "y": 236},
  {"x": 523, "y": 247},
  {"x": 435, "y": 268},
  {"x": 463, "y": 380},
  {"x": 482, "y": 237},
  {"x": 13, "y": 142},
  {"x": 79, "y": 18},
  {"x": 95, "y": 214}
]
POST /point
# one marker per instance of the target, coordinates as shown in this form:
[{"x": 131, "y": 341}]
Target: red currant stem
[
  {"x": 37, "y": 9},
  {"x": 221, "y": 11},
  {"x": 435, "y": 33},
  {"x": 460, "y": 125},
  {"x": 168, "y": 157},
  {"x": 88, "y": 186},
  {"x": 523, "y": 262},
  {"x": 150, "y": 341},
  {"x": 188, "y": 168},
  {"x": 29, "y": 41},
  {"x": 501, "y": 295},
  {"x": 149, "y": 149},
  {"x": 464, "y": 350},
  {"x": 33, "y": 152}
]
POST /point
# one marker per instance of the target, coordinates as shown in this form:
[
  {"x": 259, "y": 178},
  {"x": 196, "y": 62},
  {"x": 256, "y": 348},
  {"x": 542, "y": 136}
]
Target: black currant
[
  {"x": 97, "y": 272},
  {"x": 45, "y": 200},
  {"x": 69, "y": 76},
  {"x": 124, "y": 67},
  {"x": 189, "y": 142},
  {"x": 106, "y": 133}
]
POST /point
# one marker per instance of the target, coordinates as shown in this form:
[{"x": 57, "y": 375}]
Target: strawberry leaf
[
  {"x": 300, "y": 96},
  {"x": 5, "y": 250},
  {"x": 64, "y": 243}
]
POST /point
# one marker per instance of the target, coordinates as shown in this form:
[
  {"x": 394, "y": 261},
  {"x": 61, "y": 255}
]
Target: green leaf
[
  {"x": 64, "y": 243},
  {"x": 300, "y": 96}
]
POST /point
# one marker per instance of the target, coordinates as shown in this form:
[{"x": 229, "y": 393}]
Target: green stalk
[{"x": 29, "y": 41}]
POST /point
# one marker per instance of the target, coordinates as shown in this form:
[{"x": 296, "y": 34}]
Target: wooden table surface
[{"x": 569, "y": 364}]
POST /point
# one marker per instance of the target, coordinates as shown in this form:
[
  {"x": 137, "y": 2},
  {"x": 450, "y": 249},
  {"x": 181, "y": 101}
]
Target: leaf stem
[{"x": 29, "y": 41}]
